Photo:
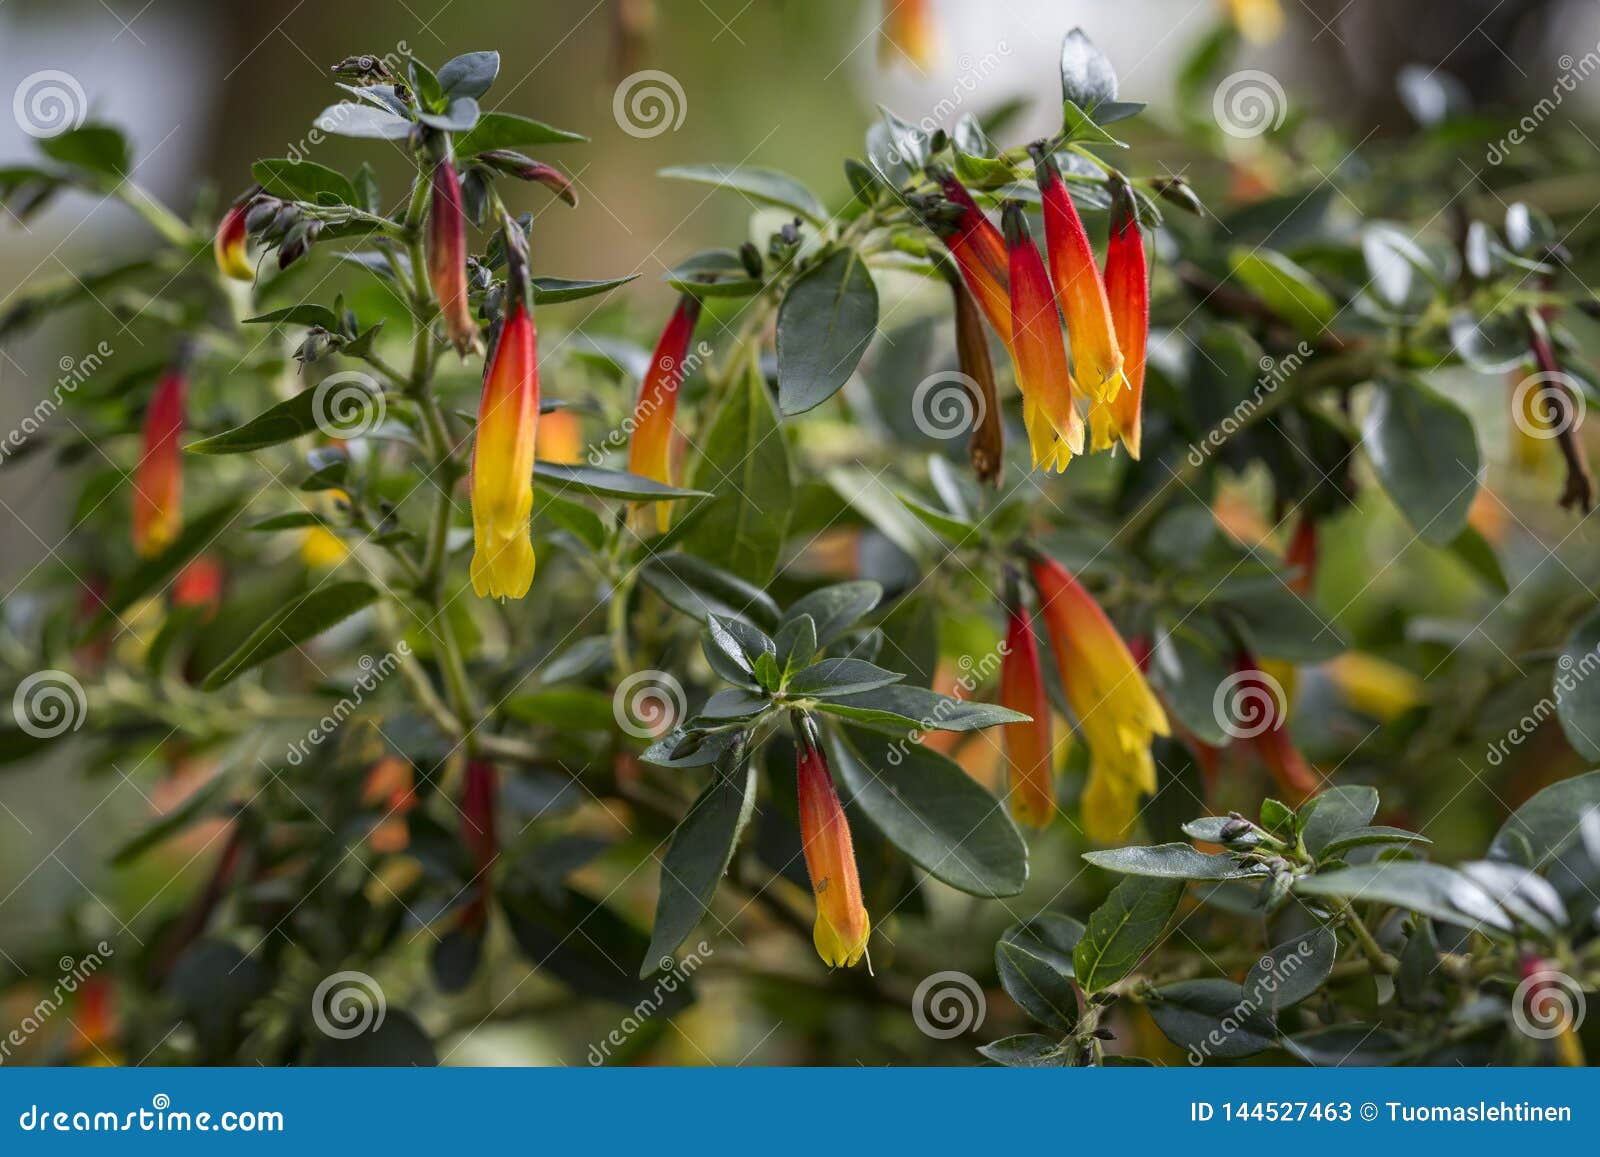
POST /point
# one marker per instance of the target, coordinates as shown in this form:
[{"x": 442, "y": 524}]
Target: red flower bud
[
  {"x": 1028, "y": 749},
  {"x": 447, "y": 259},
  {"x": 1128, "y": 292},
  {"x": 842, "y": 926},
  {"x": 650, "y": 446},
  {"x": 158, "y": 478},
  {"x": 477, "y": 830}
]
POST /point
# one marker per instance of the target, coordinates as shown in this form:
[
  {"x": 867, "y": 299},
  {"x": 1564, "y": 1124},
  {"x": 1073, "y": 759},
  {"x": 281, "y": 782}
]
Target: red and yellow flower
[
  {"x": 980, "y": 255},
  {"x": 842, "y": 926},
  {"x": 909, "y": 27},
  {"x": 650, "y": 447},
  {"x": 1055, "y": 430},
  {"x": 230, "y": 245},
  {"x": 1117, "y": 712},
  {"x": 502, "y": 460},
  {"x": 1127, "y": 283},
  {"x": 158, "y": 478},
  {"x": 447, "y": 259},
  {"x": 1028, "y": 751}
]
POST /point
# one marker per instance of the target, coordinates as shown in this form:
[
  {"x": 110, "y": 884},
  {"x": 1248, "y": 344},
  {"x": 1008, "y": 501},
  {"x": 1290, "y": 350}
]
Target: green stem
[{"x": 163, "y": 220}]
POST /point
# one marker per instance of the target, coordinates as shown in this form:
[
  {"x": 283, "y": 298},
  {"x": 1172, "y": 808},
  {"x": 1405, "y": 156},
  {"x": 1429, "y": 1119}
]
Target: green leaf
[
  {"x": 840, "y": 677},
  {"x": 1087, "y": 78},
  {"x": 561, "y": 476},
  {"x": 1211, "y": 1018},
  {"x": 697, "y": 588},
  {"x": 797, "y": 643},
  {"x": 353, "y": 119},
  {"x": 1424, "y": 451},
  {"x": 1172, "y": 861},
  {"x": 768, "y": 186},
  {"x": 1360, "y": 1045},
  {"x": 553, "y": 290},
  {"x": 1026, "y": 1050},
  {"x": 1123, "y": 929},
  {"x": 303, "y": 619},
  {"x": 303, "y": 314},
  {"x": 899, "y": 710},
  {"x": 1279, "y": 624},
  {"x": 500, "y": 130},
  {"x": 1547, "y": 822},
  {"x": 1287, "y": 289},
  {"x": 565, "y": 708},
  {"x": 835, "y": 609},
  {"x": 934, "y": 812},
  {"x": 288, "y": 420},
  {"x": 458, "y": 117},
  {"x": 301, "y": 180},
  {"x": 702, "y": 848},
  {"x": 294, "y": 520},
  {"x": 1577, "y": 697},
  {"x": 1336, "y": 812},
  {"x": 151, "y": 574},
  {"x": 96, "y": 148},
  {"x": 1039, "y": 985},
  {"x": 1292, "y": 971},
  {"x": 744, "y": 462},
  {"x": 1370, "y": 837},
  {"x": 1475, "y": 551},
  {"x": 573, "y": 517},
  {"x": 1393, "y": 262},
  {"x": 825, "y": 323},
  {"x": 1188, "y": 667},
  {"x": 713, "y": 273},
  {"x": 1430, "y": 889}
]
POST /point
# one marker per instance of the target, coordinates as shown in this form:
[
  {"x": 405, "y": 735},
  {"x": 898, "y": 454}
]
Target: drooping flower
[
  {"x": 980, "y": 254},
  {"x": 986, "y": 447},
  {"x": 199, "y": 585},
  {"x": 1028, "y": 752},
  {"x": 478, "y": 832},
  {"x": 842, "y": 926},
  {"x": 158, "y": 478},
  {"x": 502, "y": 462},
  {"x": 1096, "y": 357},
  {"x": 909, "y": 27},
  {"x": 1055, "y": 431},
  {"x": 650, "y": 445},
  {"x": 447, "y": 259},
  {"x": 230, "y": 245},
  {"x": 1117, "y": 712},
  {"x": 527, "y": 169},
  {"x": 1127, "y": 283}
]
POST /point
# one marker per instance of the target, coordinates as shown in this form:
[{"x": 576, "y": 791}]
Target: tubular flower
[
  {"x": 1117, "y": 712},
  {"x": 842, "y": 926},
  {"x": 1055, "y": 431},
  {"x": 650, "y": 446},
  {"x": 980, "y": 254},
  {"x": 1028, "y": 752},
  {"x": 908, "y": 27},
  {"x": 1265, "y": 725},
  {"x": 987, "y": 445},
  {"x": 502, "y": 462},
  {"x": 229, "y": 246},
  {"x": 1096, "y": 357},
  {"x": 158, "y": 479},
  {"x": 1127, "y": 283},
  {"x": 477, "y": 830},
  {"x": 447, "y": 259}
]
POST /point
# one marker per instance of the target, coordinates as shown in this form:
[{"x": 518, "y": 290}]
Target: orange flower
[
  {"x": 560, "y": 438},
  {"x": 447, "y": 259},
  {"x": 1127, "y": 284},
  {"x": 502, "y": 462},
  {"x": 909, "y": 27},
  {"x": 650, "y": 446},
  {"x": 230, "y": 243},
  {"x": 158, "y": 478},
  {"x": 842, "y": 927},
  {"x": 389, "y": 786},
  {"x": 1117, "y": 712},
  {"x": 1028, "y": 751},
  {"x": 1055, "y": 431},
  {"x": 1096, "y": 358}
]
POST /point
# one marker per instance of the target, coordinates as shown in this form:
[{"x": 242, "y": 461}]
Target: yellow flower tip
[
  {"x": 840, "y": 948},
  {"x": 1107, "y": 808},
  {"x": 230, "y": 246},
  {"x": 502, "y": 566}
]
